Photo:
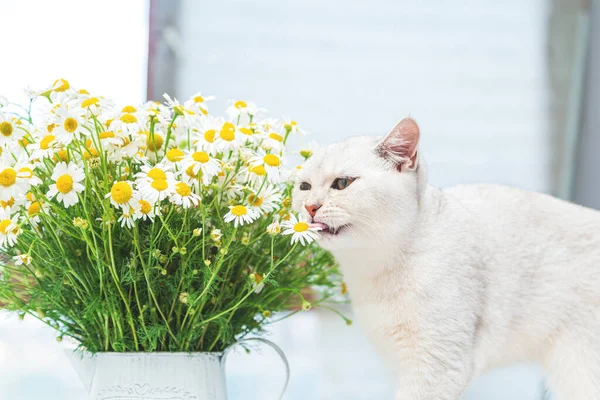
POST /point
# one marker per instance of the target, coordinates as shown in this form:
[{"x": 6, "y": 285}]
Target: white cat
[{"x": 451, "y": 283}]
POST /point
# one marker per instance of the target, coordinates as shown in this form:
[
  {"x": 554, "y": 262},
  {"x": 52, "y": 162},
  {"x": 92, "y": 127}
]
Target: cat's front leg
[
  {"x": 438, "y": 368},
  {"x": 433, "y": 379}
]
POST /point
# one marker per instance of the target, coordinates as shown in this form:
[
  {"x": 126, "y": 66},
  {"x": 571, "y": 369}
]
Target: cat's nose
[{"x": 312, "y": 209}]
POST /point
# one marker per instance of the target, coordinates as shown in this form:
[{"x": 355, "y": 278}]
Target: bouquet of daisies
[{"x": 151, "y": 227}]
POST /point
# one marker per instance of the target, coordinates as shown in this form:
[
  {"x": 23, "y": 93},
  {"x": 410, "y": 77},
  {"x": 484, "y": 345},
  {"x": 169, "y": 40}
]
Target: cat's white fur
[{"x": 450, "y": 283}]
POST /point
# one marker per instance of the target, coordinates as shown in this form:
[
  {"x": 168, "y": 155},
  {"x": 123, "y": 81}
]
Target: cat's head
[{"x": 364, "y": 188}]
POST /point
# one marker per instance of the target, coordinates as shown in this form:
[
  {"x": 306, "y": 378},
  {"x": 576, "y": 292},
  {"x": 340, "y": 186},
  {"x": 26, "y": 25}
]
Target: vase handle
[{"x": 274, "y": 347}]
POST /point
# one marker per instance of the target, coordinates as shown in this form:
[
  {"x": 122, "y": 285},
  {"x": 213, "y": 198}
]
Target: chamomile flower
[
  {"x": 271, "y": 163},
  {"x": 67, "y": 183},
  {"x": 300, "y": 230},
  {"x": 227, "y": 137},
  {"x": 130, "y": 146},
  {"x": 274, "y": 228},
  {"x": 128, "y": 120},
  {"x": 109, "y": 138},
  {"x": 34, "y": 210},
  {"x": 155, "y": 183},
  {"x": 145, "y": 210},
  {"x": 198, "y": 103},
  {"x": 266, "y": 200},
  {"x": 184, "y": 196},
  {"x": 122, "y": 195},
  {"x": 241, "y": 107},
  {"x": 307, "y": 150},
  {"x": 94, "y": 106},
  {"x": 177, "y": 107},
  {"x": 292, "y": 126},
  {"x": 16, "y": 180},
  {"x": 59, "y": 86},
  {"x": 127, "y": 218},
  {"x": 9, "y": 228},
  {"x": 68, "y": 124},
  {"x": 10, "y": 132},
  {"x": 46, "y": 145},
  {"x": 273, "y": 142},
  {"x": 240, "y": 215},
  {"x": 174, "y": 155},
  {"x": 204, "y": 135},
  {"x": 22, "y": 259},
  {"x": 200, "y": 162},
  {"x": 249, "y": 133},
  {"x": 154, "y": 141}
]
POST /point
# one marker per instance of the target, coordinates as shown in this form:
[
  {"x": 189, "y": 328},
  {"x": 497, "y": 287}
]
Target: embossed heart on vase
[{"x": 141, "y": 389}]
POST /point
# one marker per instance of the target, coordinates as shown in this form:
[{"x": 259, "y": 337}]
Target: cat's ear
[{"x": 401, "y": 144}]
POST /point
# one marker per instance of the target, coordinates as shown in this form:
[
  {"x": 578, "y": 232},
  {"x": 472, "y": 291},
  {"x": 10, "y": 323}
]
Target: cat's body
[{"x": 450, "y": 283}]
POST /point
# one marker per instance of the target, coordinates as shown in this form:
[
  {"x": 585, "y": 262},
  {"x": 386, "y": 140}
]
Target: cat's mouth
[{"x": 328, "y": 230}]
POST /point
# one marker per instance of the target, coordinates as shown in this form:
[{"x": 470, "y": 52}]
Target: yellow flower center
[
  {"x": 7, "y": 203},
  {"x": 45, "y": 142},
  {"x": 25, "y": 173},
  {"x": 6, "y": 128},
  {"x": 83, "y": 91},
  {"x": 154, "y": 145},
  {"x": 157, "y": 173},
  {"x": 124, "y": 141},
  {"x": 34, "y": 208},
  {"x": 238, "y": 211},
  {"x": 145, "y": 207},
  {"x": 121, "y": 192},
  {"x": 190, "y": 172},
  {"x": 64, "y": 183},
  {"x": 174, "y": 155},
  {"x": 247, "y": 131},
  {"x": 29, "y": 196},
  {"x": 90, "y": 153},
  {"x": 259, "y": 170},
  {"x": 209, "y": 135},
  {"x": 128, "y": 118},
  {"x": 129, "y": 109},
  {"x": 61, "y": 85},
  {"x": 8, "y": 177},
  {"x": 24, "y": 142},
  {"x": 227, "y": 132},
  {"x": 160, "y": 184},
  {"x": 70, "y": 125},
  {"x": 198, "y": 99},
  {"x": 106, "y": 135},
  {"x": 240, "y": 104},
  {"x": 272, "y": 160},
  {"x": 62, "y": 155},
  {"x": 201, "y": 156},
  {"x": 300, "y": 226},
  {"x": 51, "y": 127},
  {"x": 255, "y": 201},
  {"x": 89, "y": 102},
  {"x": 276, "y": 136},
  {"x": 4, "y": 224},
  {"x": 183, "y": 189}
]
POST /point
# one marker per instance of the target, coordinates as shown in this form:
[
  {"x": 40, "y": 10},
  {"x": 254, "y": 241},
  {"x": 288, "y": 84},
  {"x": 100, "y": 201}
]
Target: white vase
[{"x": 157, "y": 376}]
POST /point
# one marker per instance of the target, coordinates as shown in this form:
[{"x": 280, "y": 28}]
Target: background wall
[{"x": 473, "y": 73}]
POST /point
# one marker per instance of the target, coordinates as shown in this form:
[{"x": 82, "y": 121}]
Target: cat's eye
[
  {"x": 342, "y": 183},
  {"x": 305, "y": 186}
]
